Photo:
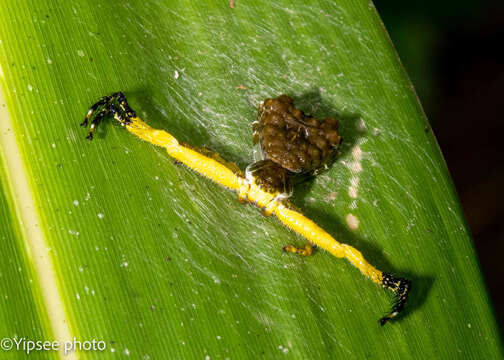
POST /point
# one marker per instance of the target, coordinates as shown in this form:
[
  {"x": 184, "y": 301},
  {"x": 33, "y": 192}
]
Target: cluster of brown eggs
[{"x": 291, "y": 139}]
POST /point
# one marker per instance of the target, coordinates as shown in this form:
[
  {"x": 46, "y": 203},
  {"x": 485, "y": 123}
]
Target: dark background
[{"x": 453, "y": 53}]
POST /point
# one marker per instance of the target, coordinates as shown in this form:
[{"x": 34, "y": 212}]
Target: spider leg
[
  {"x": 115, "y": 104},
  {"x": 204, "y": 165},
  {"x": 305, "y": 251},
  {"x": 96, "y": 120},
  {"x": 214, "y": 155},
  {"x": 401, "y": 287},
  {"x": 296, "y": 221},
  {"x": 242, "y": 196},
  {"x": 210, "y": 167},
  {"x": 93, "y": 108},
  {"x": 127, "y": 112},
  {"x": 118, "y": 115}
]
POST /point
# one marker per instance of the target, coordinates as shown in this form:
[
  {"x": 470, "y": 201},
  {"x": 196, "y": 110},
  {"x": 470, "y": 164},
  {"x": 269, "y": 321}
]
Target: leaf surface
[{"x": 160, "y": 262}]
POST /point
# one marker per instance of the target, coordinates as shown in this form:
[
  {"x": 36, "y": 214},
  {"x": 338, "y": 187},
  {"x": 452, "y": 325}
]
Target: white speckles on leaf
[
  {"x": 30, "y": 88},
  {"x": 353, "y": 205},
  {"x": 176, "y": 75},
  {"x": 73, "y": 232},
  {"x": 100, "y": 216},
  {"x": 357, "y": 153},
  {"x": 354, "y": 187},
  {"x": 411, "y": 223},
  {"x": 49, "y": 61},
  {"x": 355, "y": 166},
  {"x": 76, "y": 202},
  {"x": 332, "y": 196},
  {"x": 361, "y": 125},
  {"x": 80, "y": 53},
  {"x": 284, "y": 349},
  {"x": 352, "y": 221}
]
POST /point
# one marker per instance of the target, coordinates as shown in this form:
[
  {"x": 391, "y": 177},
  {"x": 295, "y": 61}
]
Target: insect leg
[{"x": 306, "y": 251}]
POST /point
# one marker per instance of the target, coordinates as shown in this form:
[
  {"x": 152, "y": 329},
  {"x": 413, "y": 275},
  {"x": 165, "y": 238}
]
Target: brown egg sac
[{"x": 291, "y": 139}]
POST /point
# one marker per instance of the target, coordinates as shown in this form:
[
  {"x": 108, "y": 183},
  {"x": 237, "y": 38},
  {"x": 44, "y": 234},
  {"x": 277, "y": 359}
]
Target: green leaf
[
  {"x": 23, "y": 311},
  {"x": 159, "y": 262}
]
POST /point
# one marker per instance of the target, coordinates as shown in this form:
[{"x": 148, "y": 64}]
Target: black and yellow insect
[{"x": 291, "y": 145}]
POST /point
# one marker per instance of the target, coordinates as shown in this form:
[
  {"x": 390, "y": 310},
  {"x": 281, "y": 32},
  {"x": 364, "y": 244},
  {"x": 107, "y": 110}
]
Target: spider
[{"x": 289, "y": 146}]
